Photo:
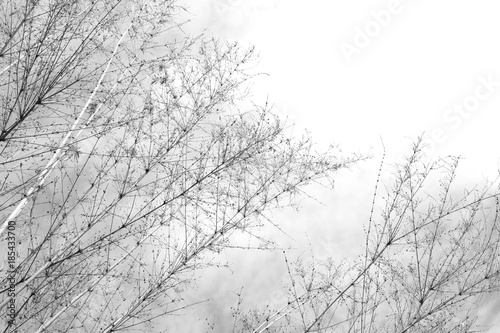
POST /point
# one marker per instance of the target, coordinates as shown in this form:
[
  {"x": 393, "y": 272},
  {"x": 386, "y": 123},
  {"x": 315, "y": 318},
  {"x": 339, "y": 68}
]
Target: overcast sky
[{"x": 354, "y": 71}]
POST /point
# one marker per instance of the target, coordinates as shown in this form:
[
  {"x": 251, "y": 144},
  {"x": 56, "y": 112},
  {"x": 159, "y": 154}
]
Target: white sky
[{"x": 428, "y": 58}]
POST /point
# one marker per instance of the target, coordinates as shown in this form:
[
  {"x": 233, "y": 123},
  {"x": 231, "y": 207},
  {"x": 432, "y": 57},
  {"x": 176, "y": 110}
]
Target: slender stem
[{"x": 59, "y": 152}]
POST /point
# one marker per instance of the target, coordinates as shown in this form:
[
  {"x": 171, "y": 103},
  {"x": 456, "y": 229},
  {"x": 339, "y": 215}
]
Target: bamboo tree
[
  {"x": 129, "y": 159},
  {"x": 430, "y": 257}
]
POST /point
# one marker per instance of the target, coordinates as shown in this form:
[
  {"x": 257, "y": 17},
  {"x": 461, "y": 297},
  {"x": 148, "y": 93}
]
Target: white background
[{"x": 429, "y": 57}]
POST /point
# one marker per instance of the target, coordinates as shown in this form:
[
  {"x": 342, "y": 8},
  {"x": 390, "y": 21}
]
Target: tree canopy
[{"x": 131, "y": 154}]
